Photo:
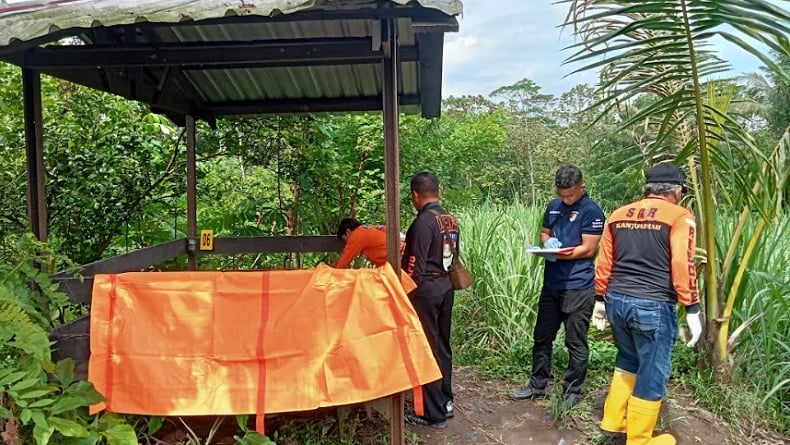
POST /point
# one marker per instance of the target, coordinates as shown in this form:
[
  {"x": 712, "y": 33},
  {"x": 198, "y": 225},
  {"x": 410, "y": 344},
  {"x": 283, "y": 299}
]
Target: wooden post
[
  {"x": 191, "y": 194},
  {"x": 392, "y": 184},
  {"x": 34, "y": 145}
]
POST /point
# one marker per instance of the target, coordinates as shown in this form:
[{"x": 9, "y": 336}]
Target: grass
[
  {"x": 761, "y": 352},
  {"x": 503, "y": 301}
]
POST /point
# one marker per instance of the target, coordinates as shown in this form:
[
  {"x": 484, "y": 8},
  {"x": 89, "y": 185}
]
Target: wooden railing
[{"x": 73, "y": 339}]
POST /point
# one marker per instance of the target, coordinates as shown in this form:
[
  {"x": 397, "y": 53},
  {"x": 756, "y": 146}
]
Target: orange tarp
[{"x": 223, "y": 343}]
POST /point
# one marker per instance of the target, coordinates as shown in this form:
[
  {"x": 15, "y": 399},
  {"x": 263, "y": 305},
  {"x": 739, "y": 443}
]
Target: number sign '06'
[{"x": 206, "y": 240}]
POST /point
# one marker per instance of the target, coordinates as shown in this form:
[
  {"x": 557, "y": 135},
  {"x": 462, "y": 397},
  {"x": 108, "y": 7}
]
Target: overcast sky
[{"x": 503, "y": 41}]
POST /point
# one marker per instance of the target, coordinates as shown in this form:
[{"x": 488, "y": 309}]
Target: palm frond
[{"x": 663, "y": 49}]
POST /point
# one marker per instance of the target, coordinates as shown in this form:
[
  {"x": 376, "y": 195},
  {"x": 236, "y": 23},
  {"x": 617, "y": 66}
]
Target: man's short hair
[
  {"x": 425, "y": 184},
  {"x": 666, "y": 173},
  {"x": 660, "y": 189},
  {"x": 567, "y": 177},
  {"x": 347, "y": 224}
]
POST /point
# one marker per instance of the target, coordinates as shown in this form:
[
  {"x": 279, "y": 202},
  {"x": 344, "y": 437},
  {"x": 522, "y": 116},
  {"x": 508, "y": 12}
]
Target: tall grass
[
  {"x": 762, "y": 350},
  {"x": 500, "y": 310}
]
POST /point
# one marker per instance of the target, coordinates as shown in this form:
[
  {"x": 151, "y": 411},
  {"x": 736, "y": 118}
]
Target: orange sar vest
[{"x": 647, "y": 251}]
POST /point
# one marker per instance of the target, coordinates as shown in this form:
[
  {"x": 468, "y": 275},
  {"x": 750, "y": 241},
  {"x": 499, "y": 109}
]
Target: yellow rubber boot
[
  {"x": 617, "y": 400},
  {"x": 641, "y": 417}
]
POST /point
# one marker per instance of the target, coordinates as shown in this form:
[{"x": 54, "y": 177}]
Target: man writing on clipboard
[{"x": 576, "y": 222}]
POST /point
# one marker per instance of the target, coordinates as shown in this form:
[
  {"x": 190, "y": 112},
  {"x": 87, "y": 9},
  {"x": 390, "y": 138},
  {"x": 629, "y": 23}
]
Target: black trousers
[
  {"x": 436, "y": 315},
  {"x": 573, "y": 308}
]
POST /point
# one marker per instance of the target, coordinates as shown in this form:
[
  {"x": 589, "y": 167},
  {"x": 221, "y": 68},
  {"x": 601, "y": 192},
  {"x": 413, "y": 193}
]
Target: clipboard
[{"x": 539, "y": 251}]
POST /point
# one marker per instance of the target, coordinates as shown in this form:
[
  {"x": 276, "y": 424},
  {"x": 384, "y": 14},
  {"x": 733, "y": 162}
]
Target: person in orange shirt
[{"x": 371, "y": 241}]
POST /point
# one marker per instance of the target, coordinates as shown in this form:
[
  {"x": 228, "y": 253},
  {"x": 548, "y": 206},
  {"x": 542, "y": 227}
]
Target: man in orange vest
[{"x": 645, "y": 268}]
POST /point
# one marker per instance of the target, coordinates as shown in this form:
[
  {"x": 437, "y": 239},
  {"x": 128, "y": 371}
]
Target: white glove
[
  {"x": 695, "y": 327},
  {"x": 599, "y": 316}
]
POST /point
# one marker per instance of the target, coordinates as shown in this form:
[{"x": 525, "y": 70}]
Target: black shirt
[{"x": 423, "y": 258}]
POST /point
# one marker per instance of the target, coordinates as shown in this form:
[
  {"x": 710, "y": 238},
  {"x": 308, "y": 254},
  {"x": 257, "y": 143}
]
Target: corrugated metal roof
[
  {"x": 332, "y": 81},
  {"x": 151, "y": 51},
  {"x": 27, "y": 20}
]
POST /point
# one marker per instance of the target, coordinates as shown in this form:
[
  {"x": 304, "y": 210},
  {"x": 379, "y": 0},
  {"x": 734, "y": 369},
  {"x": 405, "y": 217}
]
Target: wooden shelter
[{"x": 203, "y": 59}]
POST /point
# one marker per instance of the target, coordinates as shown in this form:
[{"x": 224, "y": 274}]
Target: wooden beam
[
  {"x": 275, "y": 244},
  {"x": 370, "y": 103},
  {"x": 172, "y": 81},
  {"x": 34, "y": 146},
  {"x": 79, "y": 288},
  {"x": 191, "y": 193},
  {"x": 411, "y": 55},
  {"x": 72, "y": 340},
  {"x": 390, "y": 105},
  {"x": 215, "y": 55},
  {"x": 135, "y": 260},
  {"x": 101, "y": 78},
  {"x": 430, "y": 73}
]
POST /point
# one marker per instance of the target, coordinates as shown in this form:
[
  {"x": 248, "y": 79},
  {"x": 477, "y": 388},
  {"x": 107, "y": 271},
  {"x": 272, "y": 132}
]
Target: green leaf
[
  {"x": 154, "y": 424},
  {"x": 241, "y": 421},
  {"x": 35, "y": 393},
  {"x": 25, "y": 415},
  {"x": 110, "y": 420},
  {"x": 65, "y": 403},
  {"x": 24, "y": 384},
  {"x": 254, "y": 438},
  {"x": 5, "y": 372},
  {"x": 41, "y": 403},
  {"x": 68, "y": 428},
  {"x": 39, "y": 419},
  {"x": 121, "y": 435},
  {"x": 92, "y": 439},
  {"x": 85, "y": 392},
  {"x": 64, "y": 370},
  {"x": 42, "y": 434},
  {"x": 5, "y": 413},
  {"x": 48, "y": 366},
  {"x": 11, "y": 378}
]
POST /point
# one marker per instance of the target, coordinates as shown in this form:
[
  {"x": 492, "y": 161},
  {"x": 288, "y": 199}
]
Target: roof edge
[{"x": 29, "y": 20}]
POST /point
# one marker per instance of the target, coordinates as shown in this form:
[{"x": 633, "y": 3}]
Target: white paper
[{"x": 535, "y": 250}]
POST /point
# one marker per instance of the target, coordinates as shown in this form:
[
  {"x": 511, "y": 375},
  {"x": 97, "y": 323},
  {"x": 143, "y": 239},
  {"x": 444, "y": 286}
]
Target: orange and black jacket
[{"x": 647, "y": 251}]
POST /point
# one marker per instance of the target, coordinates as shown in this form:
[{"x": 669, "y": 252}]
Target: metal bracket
[{"x": 191, "y": 246}]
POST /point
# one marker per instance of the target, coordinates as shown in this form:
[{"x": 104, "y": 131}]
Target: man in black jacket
[{"x": 426, "y": 259}]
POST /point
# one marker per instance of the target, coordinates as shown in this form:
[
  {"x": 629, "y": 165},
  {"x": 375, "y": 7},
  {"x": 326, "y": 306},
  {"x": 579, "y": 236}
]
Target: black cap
[{"x": 666, "y": 173}]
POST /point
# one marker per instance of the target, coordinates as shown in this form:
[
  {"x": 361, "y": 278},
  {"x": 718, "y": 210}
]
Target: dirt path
[{"x": 485, "y": 415}]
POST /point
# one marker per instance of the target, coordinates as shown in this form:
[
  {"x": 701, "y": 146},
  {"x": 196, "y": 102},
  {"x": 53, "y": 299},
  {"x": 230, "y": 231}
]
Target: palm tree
[{"x": 663, "y": 48}]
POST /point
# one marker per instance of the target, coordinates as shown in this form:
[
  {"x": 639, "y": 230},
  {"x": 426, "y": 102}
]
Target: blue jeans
[{"x": 645, "y": 332}]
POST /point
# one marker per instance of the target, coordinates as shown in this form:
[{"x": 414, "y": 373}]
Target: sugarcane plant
[{"x": 663, "y": 50}]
